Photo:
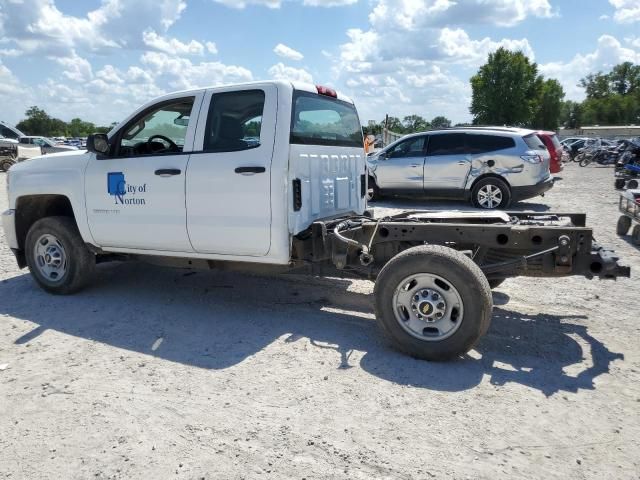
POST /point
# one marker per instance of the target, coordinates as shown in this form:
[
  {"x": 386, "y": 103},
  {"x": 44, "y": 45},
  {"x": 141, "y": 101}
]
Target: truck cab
[{"x": 228, "y": 173}]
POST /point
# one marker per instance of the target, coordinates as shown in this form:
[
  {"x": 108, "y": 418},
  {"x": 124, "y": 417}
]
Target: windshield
[{"x": 321, "y": 120}]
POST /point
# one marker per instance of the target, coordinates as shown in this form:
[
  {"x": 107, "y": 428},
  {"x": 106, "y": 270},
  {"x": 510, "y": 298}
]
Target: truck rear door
[{"x": 228, "y": 180}]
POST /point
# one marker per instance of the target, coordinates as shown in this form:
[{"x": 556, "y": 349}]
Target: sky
[{"x": 101, "y": 59}]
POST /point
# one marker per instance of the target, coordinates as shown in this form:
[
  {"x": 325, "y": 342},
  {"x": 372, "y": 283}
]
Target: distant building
[{"x": 628, "y": 131}]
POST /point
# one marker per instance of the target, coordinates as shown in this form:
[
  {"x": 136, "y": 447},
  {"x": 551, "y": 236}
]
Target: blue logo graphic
[
  {"x": 116, "y": 184},
  {"x": 118, "y": 188}
]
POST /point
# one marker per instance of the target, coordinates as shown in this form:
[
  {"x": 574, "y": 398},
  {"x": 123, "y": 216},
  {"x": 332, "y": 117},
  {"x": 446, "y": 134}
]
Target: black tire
[
  {"x": 494, "y": 182},
  {"x": 632, "y": 184},
  {"x": 5, "y": 164},
  {"x": 458, "y": 270},
  {"x": 585, "y": 161},
  {"x": 496, "y": 282},
  {"x": 373, "y": 192},
  {"x": 80, "y": 262},
  {"x": 623, "y": 225},
  {"x": 619, "y": 183},
  {"x": 635, "y": 235}
]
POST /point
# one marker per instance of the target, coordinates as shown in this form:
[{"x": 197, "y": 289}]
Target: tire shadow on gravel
[{"x": 215, "y": 320}]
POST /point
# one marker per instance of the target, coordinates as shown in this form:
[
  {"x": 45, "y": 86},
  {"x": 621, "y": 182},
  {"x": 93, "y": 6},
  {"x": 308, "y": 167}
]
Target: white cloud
[
  {"x": 626, "y": 11},
  {"x": 457, "y": 45},
  {"x": 608, "y": 53},
  {"x": 244, "y": 3},
  {"x": 172, "y": 46},
  {"x": 212, "y": 48},
  {"x": 329, "y": 3},
  {"x": 38, "y": 26},
  {"x": 419, "y": 14},
  {"x": 283, "y": 51},
  {"x": 78, "y": 69},
  {"x": 280, "y": 71},
  {"x": 278, "y": 3}
]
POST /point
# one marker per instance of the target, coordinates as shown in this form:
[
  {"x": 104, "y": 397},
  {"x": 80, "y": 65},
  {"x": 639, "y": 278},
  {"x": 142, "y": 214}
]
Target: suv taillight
[{"x": 534, "y": 158}]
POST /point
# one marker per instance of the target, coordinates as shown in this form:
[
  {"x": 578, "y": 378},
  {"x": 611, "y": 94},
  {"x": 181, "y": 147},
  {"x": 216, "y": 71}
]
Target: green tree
[
  {"x": 548, "y": 105},
  {"x": 414, "y": 123},
  {"x": 505, "y": 89},
  {"x": 596, "y": 85},
  {"x": 440, "y": 122},
  {"x": 394, "y": 124},
  {"x": 571, "y": 114},
  {"x": 38, "y": 122}
]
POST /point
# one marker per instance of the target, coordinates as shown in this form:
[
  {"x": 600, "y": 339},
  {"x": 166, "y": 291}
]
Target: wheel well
[
  {"x": 489, "y": 175},
  {"x": 32, "y": 208}
]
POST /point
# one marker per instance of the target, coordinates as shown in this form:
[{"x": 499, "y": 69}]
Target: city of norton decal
[{"x": 125, "y": 193}]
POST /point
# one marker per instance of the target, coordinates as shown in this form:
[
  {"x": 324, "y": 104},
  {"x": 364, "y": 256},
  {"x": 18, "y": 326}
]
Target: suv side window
[
  {"x": 8, "y": 133},
  {"x": 234, "y": 122},
  {"x": 447, "y": 144},
  {"x": 488, "y": 143},
  {"x": 413, "y": 147},
  {"x": 160, "y": 130}
]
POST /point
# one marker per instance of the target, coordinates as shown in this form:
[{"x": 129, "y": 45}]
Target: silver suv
[{"x": 490, "y": 167}]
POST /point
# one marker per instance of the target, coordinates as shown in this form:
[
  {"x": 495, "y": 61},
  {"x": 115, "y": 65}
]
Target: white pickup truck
[{"x": 272, "y": 176}]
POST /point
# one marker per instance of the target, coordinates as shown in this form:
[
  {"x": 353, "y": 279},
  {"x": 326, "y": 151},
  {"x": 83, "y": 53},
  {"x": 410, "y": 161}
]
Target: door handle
[
  {"x": 168, "y": 172},
  {"x": 462, "y": 162},
  {"x": 416, "y": 164},
  {"x": 250, "y": 170}
]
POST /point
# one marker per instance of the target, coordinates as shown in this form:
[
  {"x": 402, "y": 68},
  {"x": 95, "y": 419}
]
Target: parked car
[
  {"x": 490, "y": 167},
  {"x": 9, "y": 132},
  {"x": 47, "y": 145},
  {"x": 550, "y": 140}
]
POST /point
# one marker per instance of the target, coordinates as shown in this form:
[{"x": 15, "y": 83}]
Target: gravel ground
[{"x": 158, "y": 373}]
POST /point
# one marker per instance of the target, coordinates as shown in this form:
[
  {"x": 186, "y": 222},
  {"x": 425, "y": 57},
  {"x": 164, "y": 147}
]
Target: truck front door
[
  {"x": 229, "y": 173},
  {"x": 135, "y": 196}
]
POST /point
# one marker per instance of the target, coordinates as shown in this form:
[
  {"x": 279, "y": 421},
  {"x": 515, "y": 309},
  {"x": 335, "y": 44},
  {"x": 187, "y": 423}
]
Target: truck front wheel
[
  {"x": 57, "y": 257},
  {"x": 433, "y": 302}
]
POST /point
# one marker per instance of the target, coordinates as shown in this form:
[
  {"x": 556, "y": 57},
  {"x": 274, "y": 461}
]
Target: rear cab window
[{"x": 322, "y": 120}]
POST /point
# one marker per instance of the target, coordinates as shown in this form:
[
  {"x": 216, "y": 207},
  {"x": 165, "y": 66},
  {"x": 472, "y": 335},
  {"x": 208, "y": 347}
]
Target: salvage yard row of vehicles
[{"x": 272, "y": 177}]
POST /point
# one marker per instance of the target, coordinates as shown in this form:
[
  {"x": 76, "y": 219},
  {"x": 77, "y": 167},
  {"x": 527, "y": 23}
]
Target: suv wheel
[{"x": 490, "y": 193}]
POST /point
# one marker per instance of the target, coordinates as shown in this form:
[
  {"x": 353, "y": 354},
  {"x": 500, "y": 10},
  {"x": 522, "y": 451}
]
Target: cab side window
[
  {"x": 234, "y": 122},
  {"x": 413, "y": 147},
  {"x": 160, "y": 130}
]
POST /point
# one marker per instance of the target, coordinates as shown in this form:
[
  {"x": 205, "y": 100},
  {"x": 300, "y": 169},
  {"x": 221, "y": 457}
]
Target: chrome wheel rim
[
  {"x": 489, "y": 196},
  {"x": 50, "y": 258},
  {"x": 428, "y": 307}
]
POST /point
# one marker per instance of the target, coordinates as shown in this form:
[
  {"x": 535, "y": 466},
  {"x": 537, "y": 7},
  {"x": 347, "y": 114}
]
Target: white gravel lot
[{"x": 155, "y": 373}]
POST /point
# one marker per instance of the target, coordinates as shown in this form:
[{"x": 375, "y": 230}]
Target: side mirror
[{"x": 98, "y": 143}]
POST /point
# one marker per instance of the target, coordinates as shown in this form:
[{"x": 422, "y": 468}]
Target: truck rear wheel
[
  {"x": 57, "y": 257},
  {"x": 433, "y": 302}
]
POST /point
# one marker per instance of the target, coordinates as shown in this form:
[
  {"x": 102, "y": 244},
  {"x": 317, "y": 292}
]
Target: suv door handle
[
  {"x": 462, "y": 162},
  {"x": 416, "y": 164},
  {"x": 250, "y": 170},
  {"x": 168, "y": 172}
]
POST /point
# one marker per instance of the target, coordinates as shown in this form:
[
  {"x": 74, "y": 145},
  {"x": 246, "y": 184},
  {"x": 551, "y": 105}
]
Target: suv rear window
[
  {"x": 534, "y": 142},
  {"x": 488, "y": 143},
  {"x": 321, "y": 120}
]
